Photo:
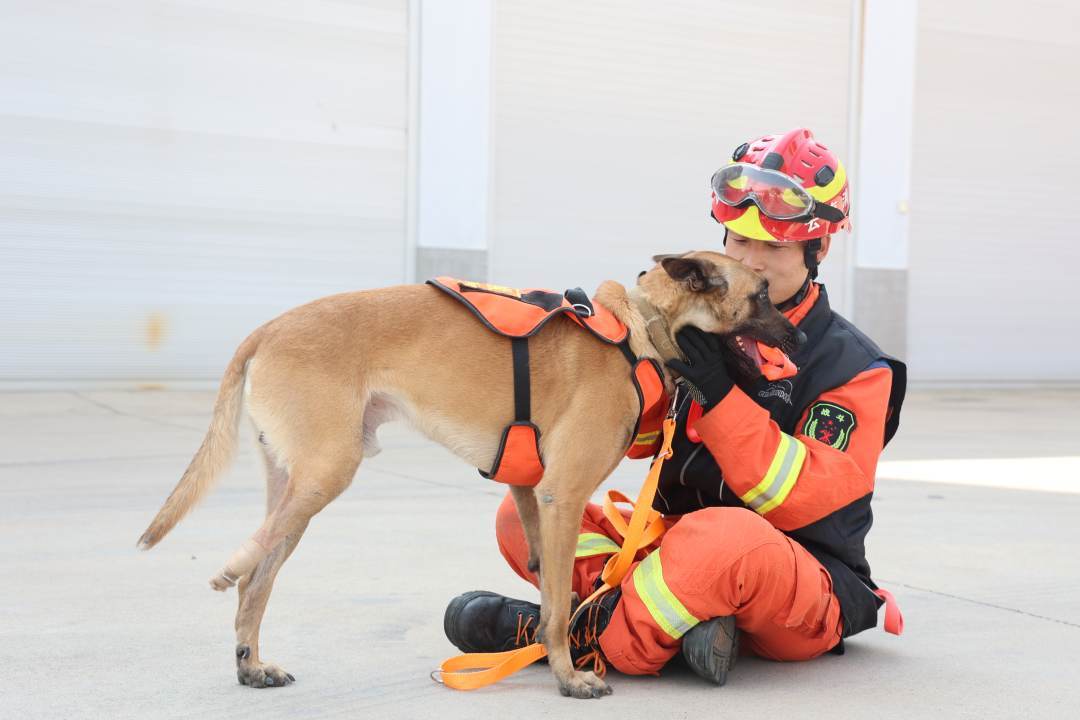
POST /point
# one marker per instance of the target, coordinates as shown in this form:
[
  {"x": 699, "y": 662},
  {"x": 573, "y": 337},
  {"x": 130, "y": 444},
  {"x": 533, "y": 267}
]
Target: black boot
[
  {"x": 711, "y": 647},
  {"x": 482, "y": 621},
  {"x": 586, "y": 630}
]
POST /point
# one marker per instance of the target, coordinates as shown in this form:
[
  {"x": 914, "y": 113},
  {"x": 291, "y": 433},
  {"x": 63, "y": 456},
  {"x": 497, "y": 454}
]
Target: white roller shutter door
[
  {"x": 994, "y": 246},
  {"x": 173, "y": 174}
]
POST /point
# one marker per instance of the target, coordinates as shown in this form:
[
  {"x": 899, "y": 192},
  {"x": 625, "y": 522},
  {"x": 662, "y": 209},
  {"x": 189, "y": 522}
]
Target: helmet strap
[{"x": 810, "y": 251}]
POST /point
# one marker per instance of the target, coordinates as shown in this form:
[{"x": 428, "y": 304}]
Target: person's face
[{"x": 780, "y": 263}]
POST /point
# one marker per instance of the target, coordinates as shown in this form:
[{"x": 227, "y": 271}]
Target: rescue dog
[{"x": 318, "y": 380}]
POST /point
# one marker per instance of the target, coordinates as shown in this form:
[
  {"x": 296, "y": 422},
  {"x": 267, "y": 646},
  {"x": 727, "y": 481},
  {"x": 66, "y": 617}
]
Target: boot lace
[
  {"x": 585, "y": 636},
  {"x": 526, "y": 631}
]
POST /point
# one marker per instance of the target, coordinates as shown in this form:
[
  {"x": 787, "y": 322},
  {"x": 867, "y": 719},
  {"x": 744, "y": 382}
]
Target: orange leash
[{"x": 476, "y": 670}]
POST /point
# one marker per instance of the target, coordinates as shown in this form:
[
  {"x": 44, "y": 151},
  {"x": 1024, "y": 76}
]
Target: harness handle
[{"x": 580, "y": 302}]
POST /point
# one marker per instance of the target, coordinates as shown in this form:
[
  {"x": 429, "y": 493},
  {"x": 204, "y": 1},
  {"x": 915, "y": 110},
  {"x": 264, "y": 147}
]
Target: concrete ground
[{"x": 976, "y": 533}]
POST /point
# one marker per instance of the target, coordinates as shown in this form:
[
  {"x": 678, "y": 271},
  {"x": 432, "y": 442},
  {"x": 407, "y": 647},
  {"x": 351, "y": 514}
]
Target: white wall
[{"x": 175, "y": 173}]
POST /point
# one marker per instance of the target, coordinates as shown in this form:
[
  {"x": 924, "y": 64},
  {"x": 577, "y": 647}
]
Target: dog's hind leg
[
  {"x": 254, "y": 590},
  {"x": 525, "y": 500},
  {"x": 313, "y": 480}
]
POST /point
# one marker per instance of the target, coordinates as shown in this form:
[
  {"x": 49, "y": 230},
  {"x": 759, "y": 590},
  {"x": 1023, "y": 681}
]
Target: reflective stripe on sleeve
[
  {"x": 670, "y": 615},
  {"x": 780, "y": 479},
  {"x": 647, "y": 438},
  {"x": 589, "y": 544}
]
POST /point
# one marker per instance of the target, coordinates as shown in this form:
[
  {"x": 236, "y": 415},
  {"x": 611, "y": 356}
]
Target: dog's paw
[
  {"x": 584, "y": 685},
  {"x": 222, "y": 581},
  {"x": 259, "y": 674}
]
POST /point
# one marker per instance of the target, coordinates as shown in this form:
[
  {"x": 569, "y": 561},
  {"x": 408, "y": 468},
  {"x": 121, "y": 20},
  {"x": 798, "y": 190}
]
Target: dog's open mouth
[{"x": 771, "y": 362}]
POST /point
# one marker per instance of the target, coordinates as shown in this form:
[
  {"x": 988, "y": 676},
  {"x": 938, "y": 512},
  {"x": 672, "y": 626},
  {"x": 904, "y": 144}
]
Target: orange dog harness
[{"x": 520, "y": 314}]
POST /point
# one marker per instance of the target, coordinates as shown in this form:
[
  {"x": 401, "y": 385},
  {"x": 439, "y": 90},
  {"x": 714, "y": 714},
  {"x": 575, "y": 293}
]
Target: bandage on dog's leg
[{"x": 240, "y": 564}]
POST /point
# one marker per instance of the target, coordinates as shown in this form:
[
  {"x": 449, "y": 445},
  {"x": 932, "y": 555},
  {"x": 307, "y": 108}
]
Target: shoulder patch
[{"x": 830, "y": 424}]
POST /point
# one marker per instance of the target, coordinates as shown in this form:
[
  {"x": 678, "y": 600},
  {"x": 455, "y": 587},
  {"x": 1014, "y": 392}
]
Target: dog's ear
[
  {"x": 698, "y": 274},
  {"x": 662, "y": 258}
]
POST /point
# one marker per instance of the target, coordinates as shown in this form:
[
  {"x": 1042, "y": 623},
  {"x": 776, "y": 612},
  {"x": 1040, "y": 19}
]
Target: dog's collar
[{"x": 656, "y": 326}]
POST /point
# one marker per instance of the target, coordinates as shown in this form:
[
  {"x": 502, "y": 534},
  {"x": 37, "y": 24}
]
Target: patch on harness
[
  {"x": 500, "y": 289},
  {"x": 830, "y": 424}
]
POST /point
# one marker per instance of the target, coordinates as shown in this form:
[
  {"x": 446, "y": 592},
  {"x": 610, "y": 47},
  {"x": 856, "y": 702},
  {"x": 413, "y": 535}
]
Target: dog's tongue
[{"x": 772, "y": 362}]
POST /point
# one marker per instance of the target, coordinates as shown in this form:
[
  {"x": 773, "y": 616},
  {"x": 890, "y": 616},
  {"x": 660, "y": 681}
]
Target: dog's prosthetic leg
[{"x": 240, "y": 564}]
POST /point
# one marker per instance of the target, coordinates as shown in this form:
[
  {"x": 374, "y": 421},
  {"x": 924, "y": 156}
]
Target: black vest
[{"x": 834, "y": 353}]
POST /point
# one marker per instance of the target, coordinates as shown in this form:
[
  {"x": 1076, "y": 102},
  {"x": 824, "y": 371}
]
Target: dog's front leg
[{"x": 560, "y": 507}]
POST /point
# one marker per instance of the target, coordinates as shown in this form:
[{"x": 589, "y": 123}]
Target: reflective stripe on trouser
[
  {"x": 589, "y": 544},
  {"x": 670, "y": 615},
  {"x": 780, "y": 479}
]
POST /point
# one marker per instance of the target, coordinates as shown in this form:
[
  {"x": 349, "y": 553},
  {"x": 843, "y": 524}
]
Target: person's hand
[{"x": 704, "y": 371}]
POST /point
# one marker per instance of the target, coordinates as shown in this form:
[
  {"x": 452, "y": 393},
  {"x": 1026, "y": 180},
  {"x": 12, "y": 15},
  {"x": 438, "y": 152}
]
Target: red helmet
[{"x": 784, "y": 187}]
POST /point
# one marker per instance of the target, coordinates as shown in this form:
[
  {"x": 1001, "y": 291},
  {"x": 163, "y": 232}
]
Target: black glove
[{"x": 704, "y": 371}]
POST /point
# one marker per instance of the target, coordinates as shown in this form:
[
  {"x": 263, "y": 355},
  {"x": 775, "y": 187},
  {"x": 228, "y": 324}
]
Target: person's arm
[{"x": 795, "y": 480}]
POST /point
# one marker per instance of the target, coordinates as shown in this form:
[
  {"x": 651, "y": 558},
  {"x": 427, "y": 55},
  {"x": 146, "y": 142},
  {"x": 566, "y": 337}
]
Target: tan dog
[{"x": 321, "y": 378}]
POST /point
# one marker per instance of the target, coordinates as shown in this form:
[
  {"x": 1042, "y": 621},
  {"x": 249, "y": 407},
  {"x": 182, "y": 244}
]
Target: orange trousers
[{"x": 710, "y": 563}]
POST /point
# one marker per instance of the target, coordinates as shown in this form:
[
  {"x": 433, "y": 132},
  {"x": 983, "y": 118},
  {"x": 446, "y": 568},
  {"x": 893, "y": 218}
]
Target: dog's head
[{"x": 719, "y": 295}]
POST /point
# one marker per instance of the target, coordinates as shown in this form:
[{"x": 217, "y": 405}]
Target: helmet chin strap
[
  {"x": 810, "y": 251},
  {"x": 799, "y": 295}
]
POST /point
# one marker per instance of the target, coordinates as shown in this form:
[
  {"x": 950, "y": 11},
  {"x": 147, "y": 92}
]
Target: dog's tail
[{"x": 215, "y": 453}]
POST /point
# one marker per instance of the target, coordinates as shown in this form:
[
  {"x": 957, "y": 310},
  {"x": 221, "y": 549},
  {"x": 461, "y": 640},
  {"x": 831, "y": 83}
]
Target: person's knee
[
  {"x": 709, "y": 545},
  {"x": 736, "y": 529}
]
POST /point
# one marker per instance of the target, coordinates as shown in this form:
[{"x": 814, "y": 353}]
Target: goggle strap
[{"x": 828, "y": 213}]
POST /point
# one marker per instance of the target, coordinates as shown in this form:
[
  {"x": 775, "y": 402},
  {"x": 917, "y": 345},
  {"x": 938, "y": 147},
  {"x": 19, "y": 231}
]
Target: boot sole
[{"x": 711, "y": 649}]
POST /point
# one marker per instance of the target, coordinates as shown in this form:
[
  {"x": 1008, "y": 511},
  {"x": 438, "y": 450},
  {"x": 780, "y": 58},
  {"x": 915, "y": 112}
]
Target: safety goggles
[{"x": 776, "y": 195}]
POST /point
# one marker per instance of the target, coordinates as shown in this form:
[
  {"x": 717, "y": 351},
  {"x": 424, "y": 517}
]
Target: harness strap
[{"x": 522, "y": 389}]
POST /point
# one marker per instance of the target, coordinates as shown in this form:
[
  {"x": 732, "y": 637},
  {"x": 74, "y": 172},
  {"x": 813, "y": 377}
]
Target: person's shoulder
[{"x": 845, "y": 339}]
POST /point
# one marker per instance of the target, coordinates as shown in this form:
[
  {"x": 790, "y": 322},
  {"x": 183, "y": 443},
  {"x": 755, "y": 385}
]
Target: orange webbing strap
[
  {"x": 475, "y": 670},
  {"x": 654, "y": 526}
]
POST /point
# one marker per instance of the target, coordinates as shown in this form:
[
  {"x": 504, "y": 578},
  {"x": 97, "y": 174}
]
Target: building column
[
  {"x": 453, "y": 139},
  {"x": 882, "y": 184}
]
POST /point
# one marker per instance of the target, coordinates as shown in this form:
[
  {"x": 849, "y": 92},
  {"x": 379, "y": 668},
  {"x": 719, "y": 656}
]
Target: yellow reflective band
[
  {"x": 670, "y": 615},
  {"x": 828, "y": 192},
  {"x": 501, "y": 289},
  {"x": 647, "y": 438},
  {"x": 780, "y": 479},
  {"x": 749, "y": 225},
  {"x": 589, "y": 544}
]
